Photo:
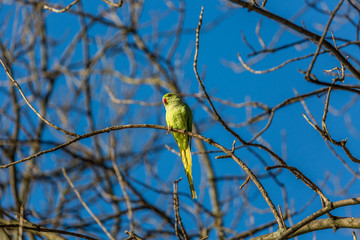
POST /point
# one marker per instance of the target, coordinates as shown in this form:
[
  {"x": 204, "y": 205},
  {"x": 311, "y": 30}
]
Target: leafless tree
[{"x": 84, "y": 149}]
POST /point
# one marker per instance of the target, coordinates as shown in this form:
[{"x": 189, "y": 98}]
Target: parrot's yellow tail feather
[
  {"x": 186, "y": 158},
  {"x": 191, "y": 184}
]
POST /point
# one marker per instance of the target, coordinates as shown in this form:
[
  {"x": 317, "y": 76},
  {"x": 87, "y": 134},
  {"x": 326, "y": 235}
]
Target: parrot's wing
[
  {"x": 180, "y": 117},
  {"x": 175, "y": 135},
  {"x": 189, "y": 123},
  {"x": 169, "y": 123},
  {"x": 189, "y": 119}
]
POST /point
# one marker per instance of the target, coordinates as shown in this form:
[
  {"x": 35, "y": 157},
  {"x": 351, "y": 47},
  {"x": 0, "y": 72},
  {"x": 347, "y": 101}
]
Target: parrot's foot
[{"x": 183, "y": 131}]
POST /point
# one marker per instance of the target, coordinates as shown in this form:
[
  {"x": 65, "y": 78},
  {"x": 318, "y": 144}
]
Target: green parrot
[{"x": 179, "y": 116}]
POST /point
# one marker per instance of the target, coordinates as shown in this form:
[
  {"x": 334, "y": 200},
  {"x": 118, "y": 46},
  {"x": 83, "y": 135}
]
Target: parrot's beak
[{"x": 164, "y": 101}]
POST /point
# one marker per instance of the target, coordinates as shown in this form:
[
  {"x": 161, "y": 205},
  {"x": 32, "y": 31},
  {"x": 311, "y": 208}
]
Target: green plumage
[{"x": 179, "y": 116}]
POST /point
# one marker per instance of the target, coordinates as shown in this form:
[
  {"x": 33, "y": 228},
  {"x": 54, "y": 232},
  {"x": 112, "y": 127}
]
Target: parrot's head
[{"x": 170, "y": 98}]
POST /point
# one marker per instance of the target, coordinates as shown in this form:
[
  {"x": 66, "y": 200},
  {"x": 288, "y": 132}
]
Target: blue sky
[{"x": 223, "y": 78}]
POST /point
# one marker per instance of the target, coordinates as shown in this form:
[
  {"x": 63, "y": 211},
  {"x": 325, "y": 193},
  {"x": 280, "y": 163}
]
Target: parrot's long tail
[{"x": 186, "y": 158}]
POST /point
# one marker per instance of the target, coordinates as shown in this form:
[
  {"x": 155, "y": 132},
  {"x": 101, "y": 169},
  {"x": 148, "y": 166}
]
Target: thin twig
[
  {"x": 324, "y": 133},
  {"x": 323, "y": 120},
  {"x": 121, "y": 182},
  {"x": 257, "y": 31},
  {"x": 202, "y": 85},
  {"x": 177, "y": 213},
  {"x": 119, "y": 4},
  {"x": 342, "y": 160},
  {"x": 213, "y": 192},
  {"x": 130, "y": 101},
  {"x": 227, "y": 156},
  {"x": 21, "y": 222},
  {"x": 85, "y": 205},
  {"x": 302, "y": 101},
  {"x": 32, "y": 108},
  {"x": 40, "y": 229},
  {"x": 244, "y": 183},
  {"x": 321, "y": 40},
  {"x": 172, "y": 150},
  {"x": 132, "y": 236},
  {"x": 60, "y": 10},
  {"x": 247, "y": 67},
  {"x": 281, "y": 215},
  {"x": 342, "y": 76},
  {"x": 297, "y": 173}
]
